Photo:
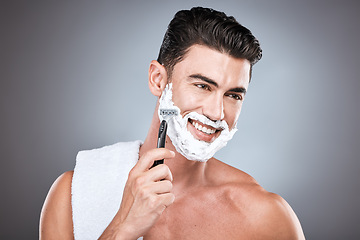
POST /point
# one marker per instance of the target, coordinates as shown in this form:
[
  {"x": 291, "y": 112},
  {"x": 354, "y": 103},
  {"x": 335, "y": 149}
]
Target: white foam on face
[{"x": 184, "y": 142}]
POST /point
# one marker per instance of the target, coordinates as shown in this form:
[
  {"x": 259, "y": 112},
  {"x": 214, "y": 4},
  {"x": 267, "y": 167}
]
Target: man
[{"x": 203, "y": 69}]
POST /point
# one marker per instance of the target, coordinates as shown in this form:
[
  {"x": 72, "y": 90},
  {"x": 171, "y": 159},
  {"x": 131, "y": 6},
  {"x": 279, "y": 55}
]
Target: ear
[{"x": 157, "y": 78}]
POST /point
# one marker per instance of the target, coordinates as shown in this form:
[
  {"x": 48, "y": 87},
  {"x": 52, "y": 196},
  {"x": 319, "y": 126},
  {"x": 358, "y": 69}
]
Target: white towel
[{"x": 97, "y": 186}]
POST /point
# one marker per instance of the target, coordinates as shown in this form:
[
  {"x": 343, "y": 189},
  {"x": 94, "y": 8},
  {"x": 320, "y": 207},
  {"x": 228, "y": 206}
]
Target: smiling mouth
[{"x": 204, "y": 128}]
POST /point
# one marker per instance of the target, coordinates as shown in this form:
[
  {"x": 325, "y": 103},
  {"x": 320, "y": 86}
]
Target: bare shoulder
[
  {"x": 274, "y": 218},
  {"x": 267, "y": 214},
  {"x": 56, "y": 214}
]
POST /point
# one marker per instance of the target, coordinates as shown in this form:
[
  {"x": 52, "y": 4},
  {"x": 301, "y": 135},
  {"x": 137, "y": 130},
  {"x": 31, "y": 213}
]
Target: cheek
[
  {"x": 232, "y": 116},
  {"x": 185, "y": 100}
]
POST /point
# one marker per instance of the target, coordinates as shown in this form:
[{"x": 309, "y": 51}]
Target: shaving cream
[{"x": 183, "y": 141}]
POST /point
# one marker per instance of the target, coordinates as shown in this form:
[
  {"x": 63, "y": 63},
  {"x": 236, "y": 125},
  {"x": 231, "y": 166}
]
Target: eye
[
  {"x": 237, "y": 97},
  {"x": 203, "y": 86}
]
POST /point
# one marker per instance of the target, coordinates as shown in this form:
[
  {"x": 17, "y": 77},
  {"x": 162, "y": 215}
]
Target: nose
[{"x": 214, "y": 108}]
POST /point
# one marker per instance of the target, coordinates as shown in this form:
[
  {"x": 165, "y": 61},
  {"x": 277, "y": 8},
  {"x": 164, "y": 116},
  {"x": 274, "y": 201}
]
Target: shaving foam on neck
[{"x": 183, "y": 141}]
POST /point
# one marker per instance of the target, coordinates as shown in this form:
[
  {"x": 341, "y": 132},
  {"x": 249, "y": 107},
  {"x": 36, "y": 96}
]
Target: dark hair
[{"x": 207, "y": 27}]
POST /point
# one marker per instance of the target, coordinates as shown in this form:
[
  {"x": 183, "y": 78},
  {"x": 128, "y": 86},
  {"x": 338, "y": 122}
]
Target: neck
[{"x": 186, "y": 173}]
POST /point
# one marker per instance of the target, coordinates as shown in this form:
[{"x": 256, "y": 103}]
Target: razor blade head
[{"x": 168, "y": 112}]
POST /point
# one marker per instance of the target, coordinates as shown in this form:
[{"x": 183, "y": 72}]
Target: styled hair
[{"x": 211, "y": 28}]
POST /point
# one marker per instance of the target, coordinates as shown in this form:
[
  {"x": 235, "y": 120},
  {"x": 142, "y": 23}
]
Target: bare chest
[{"x": 201, "y": 216}]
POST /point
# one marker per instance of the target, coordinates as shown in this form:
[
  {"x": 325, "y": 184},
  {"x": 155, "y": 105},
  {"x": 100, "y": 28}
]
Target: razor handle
[{"x": 161, "y": 141}]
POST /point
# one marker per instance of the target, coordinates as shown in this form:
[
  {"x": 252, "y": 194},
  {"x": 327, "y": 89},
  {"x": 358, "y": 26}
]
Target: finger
[
  {"x": 167, "y": 199},
  {"x": 160, "y": 187},
  {"x": 147, "y": 160},
  {"x": 160, "y": 172}
]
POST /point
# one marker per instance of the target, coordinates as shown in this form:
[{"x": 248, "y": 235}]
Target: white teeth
[{"x": 203, "y": 128}]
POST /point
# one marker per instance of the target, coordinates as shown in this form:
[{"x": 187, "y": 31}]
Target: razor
[{"x": 166, "y": 114}]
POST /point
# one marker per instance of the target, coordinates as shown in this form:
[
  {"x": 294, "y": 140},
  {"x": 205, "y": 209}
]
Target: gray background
[{"x": 74, "y": 76}]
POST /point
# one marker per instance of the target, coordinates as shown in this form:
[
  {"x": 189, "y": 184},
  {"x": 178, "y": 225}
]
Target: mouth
[{"x": 202, "y": 131}]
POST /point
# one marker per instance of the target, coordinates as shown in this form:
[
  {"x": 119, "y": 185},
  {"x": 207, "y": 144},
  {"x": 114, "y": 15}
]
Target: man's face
[{"x": 212, "y": 84}]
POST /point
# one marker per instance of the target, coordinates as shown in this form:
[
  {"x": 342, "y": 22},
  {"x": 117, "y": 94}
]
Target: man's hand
[{"x": 146, "y": 195}]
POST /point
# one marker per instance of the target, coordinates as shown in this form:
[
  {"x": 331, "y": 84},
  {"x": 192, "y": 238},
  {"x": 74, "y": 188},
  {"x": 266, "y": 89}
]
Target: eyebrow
[
  {"x": 212, "y": 82},
  {"x": 205, "y": 79}
]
